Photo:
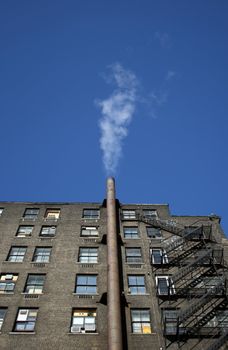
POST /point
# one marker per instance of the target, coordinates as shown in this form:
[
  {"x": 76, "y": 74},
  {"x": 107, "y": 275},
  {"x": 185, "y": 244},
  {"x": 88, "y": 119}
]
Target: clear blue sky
[{"x": 52, "y": 61}]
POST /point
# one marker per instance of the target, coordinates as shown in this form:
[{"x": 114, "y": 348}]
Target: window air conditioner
[{"x": 75, "y": 329}]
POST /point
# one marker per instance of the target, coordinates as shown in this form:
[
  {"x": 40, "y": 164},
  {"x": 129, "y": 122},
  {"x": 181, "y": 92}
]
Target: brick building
[{"x": 56, "y": 272}]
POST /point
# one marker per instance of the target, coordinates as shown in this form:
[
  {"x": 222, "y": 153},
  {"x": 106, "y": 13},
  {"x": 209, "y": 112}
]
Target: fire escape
[{"x": 197, "y": 279}]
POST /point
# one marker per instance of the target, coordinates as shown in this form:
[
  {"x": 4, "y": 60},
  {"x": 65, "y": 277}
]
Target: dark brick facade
[{"x": 58, "y": 299}]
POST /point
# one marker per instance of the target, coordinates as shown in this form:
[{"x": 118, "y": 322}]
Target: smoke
[{"x": 117, "y": 112}]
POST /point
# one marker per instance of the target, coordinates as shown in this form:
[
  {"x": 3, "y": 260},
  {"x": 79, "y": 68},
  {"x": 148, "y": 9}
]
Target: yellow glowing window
[{"x": 52, "y": 214}]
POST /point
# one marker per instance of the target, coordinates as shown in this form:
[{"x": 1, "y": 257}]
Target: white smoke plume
[{"x": 117, "y": 112}]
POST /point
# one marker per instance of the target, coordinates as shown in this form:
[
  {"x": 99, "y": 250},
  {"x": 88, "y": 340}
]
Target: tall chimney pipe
[{"x": 114, "y": 303}]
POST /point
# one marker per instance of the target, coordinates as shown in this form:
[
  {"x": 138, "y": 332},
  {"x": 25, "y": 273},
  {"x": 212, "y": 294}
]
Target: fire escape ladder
[
  {"x": 185, "y": 314},
  {"x": 220, "y": 341},
  {"x": 165, "y": 225},
  {"x": 189, "y": 268}
]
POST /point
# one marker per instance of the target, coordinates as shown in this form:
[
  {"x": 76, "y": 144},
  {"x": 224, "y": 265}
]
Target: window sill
[
  {"x": 138, "y": 295},
  {"x": 17, "y": 237},
  {"x": 152, "y": 333},
  {"x": 12, "y": 262},
  {"x": 27, "y": 333},
  {"x": 7, "y": 293},
  {"x": 95, "y": 333},
  {"x": 46, "y": 237},
  {"x": 32, "y": 293}
]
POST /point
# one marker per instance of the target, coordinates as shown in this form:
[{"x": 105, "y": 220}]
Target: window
[
  {"x": 26, "y": 320},
  {"x": 83, "y": 321},
  {"x": 31, "y": 214},
  {"x": 1, "y": 211},
  {"x": 2, "y": 316},
  {"x": 34, "y": 284},
  {"x": 24, "y": 231},
  {"x": 52, "y": 214},
  {"x": 170, "y": 320},
  {"x": 136, "y": 284},
  {"x": 158, "y": 256},
  {"x": 165, "y": 285},
  {"x": 150, "y": 213},
  {"x": 153, "y": 232},
  {"x": 222, "y": 318},
  {"x": 89, "y": 231},
  {"x": 133, "y": 255},
  {"x": 16, "y": 254},
  {"x": 48, "y": 231},
  {"x": 88, "y": 255},
  {"x": 129, "y": 214},
  {"x": 7, "y": 282},
  {"x": 91, "y": 213},
  {"x": 86, "y": 284},
  {"x": 42, "y": 254},
  {"x": 140, "y": 319},
  {"x": 131, "y": 232}
]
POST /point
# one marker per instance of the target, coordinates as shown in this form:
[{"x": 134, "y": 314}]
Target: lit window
[
  {"x": 129, "y": 214},
  {"x": 150, "y": 213},
  {"x": 133, "y": 255},
  {"x": 24, "y": 231},
  {"x": 7, "y": 282},
  {"x": 86, "y": 284},
  {"x": 136, "y": 284},
  {"x": 88, "y": 255},
  {"x": 90, "y": 231},
  {"x": 42, "y": 254},
  {"x": 91, "y": 213},
  {"x": 158, "y": 256},
  {"x": 165, "y": 285},
  {"x": 34, "y": 284},
  {"x": 48, "y": 231},
  {"x": 83, "y": 321},
  {"x": 153, "y": 232},
  {"x": 52, "y": 214},
  {"x": 16, "y": 254},
  {"x": 2, "y": 316},
  {"x": 140, "y": 319},
  {"x": 1, "y": 211},
  {"x": 26, "y": 320},
  {"x": 31, "y": 213},
  {"x": 131, "y": 232}
]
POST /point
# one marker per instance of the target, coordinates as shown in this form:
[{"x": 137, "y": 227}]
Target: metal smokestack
[{"x": 114, "y": 303}]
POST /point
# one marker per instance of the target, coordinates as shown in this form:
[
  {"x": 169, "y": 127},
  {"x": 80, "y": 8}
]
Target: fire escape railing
[{"x": 220, "y": 341}]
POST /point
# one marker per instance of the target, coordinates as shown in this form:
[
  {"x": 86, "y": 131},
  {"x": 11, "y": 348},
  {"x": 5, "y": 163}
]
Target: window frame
[
  {"x": 90, "y": 229},
  {"x": 155, "y": 229},
  {"x": 10, "y": 255},
  {"x": 91, "y": 314},
  {"x": 42, "y": 255},
  {"x": 25, "y": 320},
  {"x": 48, "y": 234},
  {"x": 54, "y": 214},
  {"x": 136, "y": 259},
  {"x": 25, "y": 235},
  {"x": 91, "y": 216},
  {"x": 2, "y": 318},
  {"x": 163, "y": 256},
  {"x": 34, "y": 285},
  {"x": 132, "y": 235},
  {"x": 169, "y": 285},
  {"x": 131, "y": 214},
  {"x": 141, "y": 323},
  {"x": 86, "y": 285},
  {"x": 137, "y": 285},
  {"x": 12, "y": 281},
  {"x": 31, "y": 216},
  {"x": 89, "y": 256},
  {"x": 149, "y": 216}
]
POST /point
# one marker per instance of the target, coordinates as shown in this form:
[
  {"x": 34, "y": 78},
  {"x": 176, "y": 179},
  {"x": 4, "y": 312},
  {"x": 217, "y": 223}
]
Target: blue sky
[{"x": 55, "y": 58}]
